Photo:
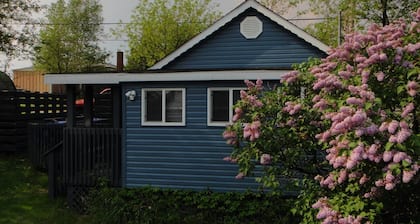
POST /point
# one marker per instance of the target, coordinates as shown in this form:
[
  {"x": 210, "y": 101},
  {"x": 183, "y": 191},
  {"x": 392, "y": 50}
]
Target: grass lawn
[{"x": 24, "y": 196}]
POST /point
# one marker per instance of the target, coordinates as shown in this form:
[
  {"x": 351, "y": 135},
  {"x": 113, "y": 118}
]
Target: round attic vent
[{"x": 251, "y": 27}]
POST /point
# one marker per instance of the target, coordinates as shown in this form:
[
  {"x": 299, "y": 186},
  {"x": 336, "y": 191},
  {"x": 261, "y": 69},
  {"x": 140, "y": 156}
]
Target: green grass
[{"x": 24, "y": 196}]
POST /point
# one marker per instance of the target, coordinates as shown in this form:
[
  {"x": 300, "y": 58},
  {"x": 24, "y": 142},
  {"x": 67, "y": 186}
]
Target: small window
[
  {"x": 164, "y": 107},
  {"x": 220, "y": 105}
]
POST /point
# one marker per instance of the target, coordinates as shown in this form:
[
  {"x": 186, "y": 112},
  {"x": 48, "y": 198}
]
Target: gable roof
[{"x": 228, "y": 18}]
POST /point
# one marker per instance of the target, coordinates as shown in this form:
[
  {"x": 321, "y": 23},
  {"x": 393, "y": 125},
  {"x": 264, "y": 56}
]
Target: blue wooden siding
[
  {"x": 276, "y": 48},
  {"x": 188, "y": 157}
]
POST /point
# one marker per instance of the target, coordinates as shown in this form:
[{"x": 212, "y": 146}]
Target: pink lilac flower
[
  {"x": 379, "y": 183},
  {"x": 384, "y": 126},
  {"x": 372, "y": 130},
  {"x": 345, "y": 74},
  {"x": 392, "y": 127},
  {"x": 388, "y": 155},
  {"x": 359, "y": 132},
  {"x": 231, "y": 137},
  {"x": 399, "y": 156},
  {"x": 291, "y": 122},
  {"x": 249, "y": 84},
  {"x": 407, "y": 110},
  {"x": 408, "y": 176},
  {"x": 389, "y": 186},
  {"x": 351, "y": 163},
  {"x": 359, "y": 117},
  {"x": 389, "y": 177},
  {"x": 412, "y": 87},
  {"x": 383, "y": 57},
  {"x": 292, "y": 108},
  {"x": 403, "y": 135},
  {"x": 342, "y": 176},
  {"x": 412, "y": 48},
  {"x": 265, "y": 159},
  {"x": 364, "y": 179},
  {"x": 252, "y": 131},
  {"x": 238, "y": 114},
  {"x": 380, "y": 76},
  {"x": 230, "y": 159},
  {"x": 259, "y": 84},
  {"x": 243, "y": 94},
  {"x": 290, "y": 77},
  {"x": 240, "y": 175}
]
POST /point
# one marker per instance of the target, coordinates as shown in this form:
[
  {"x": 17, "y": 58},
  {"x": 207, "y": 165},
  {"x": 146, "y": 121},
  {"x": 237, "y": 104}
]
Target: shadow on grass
[{"x": 24, "y": 195}]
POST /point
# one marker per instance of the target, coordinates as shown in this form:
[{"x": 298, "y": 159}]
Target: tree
[
  {"x": 361, "y": 110},
  {"x": 159, "y": 27},
  {"x": 16, "y": 27},
  {"x": 355, "y": 15},
  {"x": 69, "y": 39}
]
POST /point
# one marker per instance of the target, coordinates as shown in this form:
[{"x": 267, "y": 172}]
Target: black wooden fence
[
  {"x": 19, "y": 108},
  {"x": 91, "y": 154},
  {"x": 42, "y": 137}
]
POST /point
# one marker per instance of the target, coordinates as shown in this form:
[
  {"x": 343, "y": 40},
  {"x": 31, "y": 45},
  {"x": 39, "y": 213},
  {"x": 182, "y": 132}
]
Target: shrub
[{"x": 152, "y": 205}]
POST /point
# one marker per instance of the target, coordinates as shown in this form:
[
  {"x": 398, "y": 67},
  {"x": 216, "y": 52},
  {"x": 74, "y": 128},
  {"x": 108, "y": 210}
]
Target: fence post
[{"x": 51, "y": 176}]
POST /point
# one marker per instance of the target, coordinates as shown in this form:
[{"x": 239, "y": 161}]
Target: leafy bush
[
  {"x": 361, "y": 108},
  {"x": 151, "y": 205}
]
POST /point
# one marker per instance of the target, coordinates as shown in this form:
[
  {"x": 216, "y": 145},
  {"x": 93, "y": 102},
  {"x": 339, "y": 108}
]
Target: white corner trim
[{"x": 229, "y": 17}]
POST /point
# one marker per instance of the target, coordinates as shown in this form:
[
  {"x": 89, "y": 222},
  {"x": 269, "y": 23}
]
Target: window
[
  {"x": 220, "y": 105},
  {"x": 163, "y": 107}
]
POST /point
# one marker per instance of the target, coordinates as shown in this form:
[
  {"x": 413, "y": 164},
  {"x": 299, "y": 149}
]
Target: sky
[{"x": 115, "y": 11}]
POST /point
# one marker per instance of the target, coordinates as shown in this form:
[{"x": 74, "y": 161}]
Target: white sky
[{"x": 113, "y": 12}]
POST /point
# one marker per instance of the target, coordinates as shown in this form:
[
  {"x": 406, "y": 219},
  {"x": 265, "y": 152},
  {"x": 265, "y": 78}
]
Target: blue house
[{"x": 173, "y": 117}]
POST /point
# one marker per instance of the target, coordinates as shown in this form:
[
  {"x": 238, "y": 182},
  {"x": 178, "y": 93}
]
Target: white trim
[
  {"x": 229, "y": 17},
  {"x": 163, "y": 122},
  {"x": 210, "y": 105},
  {"x": 115, "y": 78}
]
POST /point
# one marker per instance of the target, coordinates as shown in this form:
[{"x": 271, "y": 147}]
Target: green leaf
[
  {"x": 388, "y": 146},
  {"x": 400, "y": 89}
]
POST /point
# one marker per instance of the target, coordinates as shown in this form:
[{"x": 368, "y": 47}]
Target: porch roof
[{"x": 116, "y": 78}]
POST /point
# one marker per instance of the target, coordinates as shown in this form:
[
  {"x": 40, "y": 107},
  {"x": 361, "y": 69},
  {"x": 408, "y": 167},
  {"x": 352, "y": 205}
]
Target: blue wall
[
  {"x": 188, "y": 157},
  {"x": 275, "y": 48}
]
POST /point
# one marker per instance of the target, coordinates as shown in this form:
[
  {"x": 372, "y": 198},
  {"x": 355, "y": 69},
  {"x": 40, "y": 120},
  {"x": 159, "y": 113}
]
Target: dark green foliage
[{"x": 151, "y": 205}]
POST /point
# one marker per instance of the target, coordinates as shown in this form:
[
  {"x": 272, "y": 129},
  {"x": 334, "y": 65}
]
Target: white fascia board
[
  {"x": 80, "y": 78},
  {"x": 115, "y": 78},
  {"x": 229, "y": 17},
  {"x": 205, "y": 76}
]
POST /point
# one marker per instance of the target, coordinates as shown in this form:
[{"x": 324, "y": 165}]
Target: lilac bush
[{"x": 360, "y": 110}]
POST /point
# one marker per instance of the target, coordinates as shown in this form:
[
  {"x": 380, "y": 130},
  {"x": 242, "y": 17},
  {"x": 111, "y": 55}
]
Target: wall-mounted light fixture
[{"x": 131, "y": 95}]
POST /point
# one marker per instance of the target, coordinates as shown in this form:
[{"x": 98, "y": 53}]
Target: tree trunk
[{"x": 385, "y": 19}]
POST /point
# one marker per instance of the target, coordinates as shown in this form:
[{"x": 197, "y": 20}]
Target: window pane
[
  {"x": 153, "y": 106},
  {"x": 174, "y": 106},
  {"x": 236, "y": 96},
  {"x": 220, "y": 106}
]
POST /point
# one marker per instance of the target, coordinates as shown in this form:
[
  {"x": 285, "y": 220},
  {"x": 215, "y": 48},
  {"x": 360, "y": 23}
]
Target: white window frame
[
  {"x": 163, "y": 122},
  {"x": 210, "y": 106}
]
